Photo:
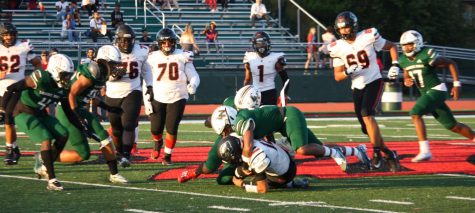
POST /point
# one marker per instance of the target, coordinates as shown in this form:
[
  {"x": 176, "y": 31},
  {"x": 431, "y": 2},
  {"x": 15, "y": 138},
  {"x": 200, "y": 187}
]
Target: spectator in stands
[
  {"x": 211, "y": 35},
  {"x": 44, "y": 59},
  {"x": 212, "y": 5},
  {"x": 74, "y": 10},
  {"x": 90, "y": 54},
  {"x": 64, "y": 29},
  {"x": 89, "y": 5},
  {"x": 259, "y": 11},
  {"x": 311, "y": 50},
  {"x": 168, "y": 3},
  {"x": 328, "y": 37},
  {"x": 61, "y": 9},
  {"x": 32, "y": 5},
  {"x": 71, "y": 26},
  {"x": 117, "y": 17},
  {"x": 224, "y": 5},
  {"x": 187, "y": 40},
  {"x": 145, "y": 38},
  {"x": 99, "y": 27}
]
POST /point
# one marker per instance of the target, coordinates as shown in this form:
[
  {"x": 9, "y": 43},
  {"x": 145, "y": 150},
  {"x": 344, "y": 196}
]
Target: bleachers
[{"x": 234, "y": 28}]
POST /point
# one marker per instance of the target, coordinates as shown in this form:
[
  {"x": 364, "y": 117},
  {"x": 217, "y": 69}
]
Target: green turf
[{"x": 427, "y": 192}]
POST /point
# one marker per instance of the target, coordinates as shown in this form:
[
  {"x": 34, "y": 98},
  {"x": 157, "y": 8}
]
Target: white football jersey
[
  {"x": 135, "y": 64},
  {"x": 268, "y": 153},
  {"x": 13, "y": 60},
  {"x": 363, "y": 52},
  {"x": 171, "y": 75},
  {"x": 263, "y": 69}
]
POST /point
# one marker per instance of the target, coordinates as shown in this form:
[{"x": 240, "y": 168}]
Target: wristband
[
  {"x": 395, "y": 62},
  {"x": 457, "y": 84},
  {"x": 250, "y": 188},
  {"x": 245, "y": 159}
]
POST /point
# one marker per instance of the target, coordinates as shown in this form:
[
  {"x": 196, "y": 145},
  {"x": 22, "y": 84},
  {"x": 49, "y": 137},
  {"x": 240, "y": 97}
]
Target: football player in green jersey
[
  {"x": 85, "y": 85},
  {"x": 38, "y": 91},
  {"x": 419, "y": 64}
]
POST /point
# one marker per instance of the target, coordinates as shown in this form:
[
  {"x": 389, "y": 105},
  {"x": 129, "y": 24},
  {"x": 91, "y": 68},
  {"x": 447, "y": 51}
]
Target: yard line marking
[
  {"x": 392, "y": 202},
  {"x": 139, "y": 211},
  {"x": 457, "y": 175},
  {"x": 198, "y": 194},
  {"x": 463, "y": 144},
  {"x": 459, "y": 198},
  {"x": 229, "y": 208},
  {"x": 296, "y": 203},
  {"x": 200, "y": 142}
]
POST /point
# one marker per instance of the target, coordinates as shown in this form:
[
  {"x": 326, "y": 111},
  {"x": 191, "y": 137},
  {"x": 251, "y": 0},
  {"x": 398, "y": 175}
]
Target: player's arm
[
  {"x": 19, "y": 86},
  {"x": 77, "y": 88},
  {"x": 391, "y": 47},
  {"x": 339, "y": 73},
  {"x": 248, "y": 137},
  {"x": 247, "y": 74},
  {"x": 36, "y": 62},
  {"x": 449, "y": 63},
  {"x": 408, "y": 82},
  {"x": 280, "y": 67},
  {"x": 192, "y": 77}
]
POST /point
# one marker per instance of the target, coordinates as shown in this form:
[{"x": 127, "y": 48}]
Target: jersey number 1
[{"x": 261, "y": 73}]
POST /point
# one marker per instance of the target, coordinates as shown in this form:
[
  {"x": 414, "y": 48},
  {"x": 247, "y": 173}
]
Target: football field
[{"x": 445, "y": 184}]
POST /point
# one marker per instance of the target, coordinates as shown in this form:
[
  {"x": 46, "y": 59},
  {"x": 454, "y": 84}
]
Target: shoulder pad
[{"x": 259, "y": 161}]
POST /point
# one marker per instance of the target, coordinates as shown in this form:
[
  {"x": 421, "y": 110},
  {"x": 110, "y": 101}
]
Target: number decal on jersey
[
  {"x": 360, "y": 58},
  {"x": 172, "y": 71},
  {"x": 261, "y": 73},
  {"x": 45, "y": 102},
  {"x": 15, "y": 67},
  {"x": 416, "y": 75},
  {"x": 133, "y": 68}
]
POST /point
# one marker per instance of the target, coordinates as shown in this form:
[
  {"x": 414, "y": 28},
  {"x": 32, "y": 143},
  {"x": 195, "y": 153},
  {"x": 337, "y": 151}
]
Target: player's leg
[
  {"x": 116, "y": 123},
  {"x": 157, "y": 125},
  {"x": 130, "y": 118},
  {"x": 79, "y": 147},
  {"x": 173, "y": 118},
  {"x": 309, "y": 59},
  {"x": 12, "y": 151}
]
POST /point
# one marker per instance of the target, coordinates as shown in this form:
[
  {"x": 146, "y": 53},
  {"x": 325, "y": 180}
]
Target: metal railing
[
  {"x": 146, "y": 9},
  {"x": 300, "y": 9}
]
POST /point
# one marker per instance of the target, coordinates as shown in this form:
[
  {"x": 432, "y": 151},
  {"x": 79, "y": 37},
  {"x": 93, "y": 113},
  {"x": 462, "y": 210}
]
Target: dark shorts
[
  {"x": 10, "y": 107},
  {"x": 367, "y": 99},
  {"x": 167, "y": 115},
  {"x": 269, "y": 97}
]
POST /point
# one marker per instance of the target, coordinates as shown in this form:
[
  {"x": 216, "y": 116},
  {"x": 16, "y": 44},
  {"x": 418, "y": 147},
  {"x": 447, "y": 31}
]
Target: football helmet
[
  {"x": 110, "y": 62},
  {"x": 125, "y": 38},
  {"x": 412, "y": 36},
  {"x": 346, "y": 19},
  {"x": 248, "y": 97},
  {"x": 222, "y": 117},
  {"x": 166, "y": 34},
  {"x": 5, "y": 29},
  {"x": 61, "y": 68},
  {"x": 261, "y": 43},
  {"x": 230, "y": 150}
]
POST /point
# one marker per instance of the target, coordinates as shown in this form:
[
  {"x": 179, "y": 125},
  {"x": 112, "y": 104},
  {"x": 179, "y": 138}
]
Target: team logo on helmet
[
  {"x": 230, "y": 150},
  {"x": 222, "y": 117},
  {"x": 346, "y": 19},
  {"x": 61, "y": 68},
  {"x": 248, "y": 97}
]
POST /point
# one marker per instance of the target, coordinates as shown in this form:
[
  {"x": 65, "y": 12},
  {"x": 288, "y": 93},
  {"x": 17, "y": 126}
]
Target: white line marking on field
[
  {"x": 392, "y": 202},
  {"x": 150, "y": 142},
  {"x": 139, "y": 211},
  {"x": 459, "y": 198},
  {"x": 463, "y": 144},
  {"x": 229, "y": 208},
  {"x": 296, "y": 203},
  {"x": 198, "y": 194},
  {"x": 457, "y": 175}
]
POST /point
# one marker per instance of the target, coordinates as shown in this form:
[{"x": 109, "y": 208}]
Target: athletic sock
[
  {"x": 424, "y": 146},
  {"x": 377, "y": 151},
  {"x": 128, "y": 138},
  {"x": 57, "y": 148},
  {"x": 387, "y": 151},
  {"x": 328, "y": 151},
  {"x": 48, "y": 163},
  {"x": 112, "y": 167},
  {"x": 349, "y": 151}
]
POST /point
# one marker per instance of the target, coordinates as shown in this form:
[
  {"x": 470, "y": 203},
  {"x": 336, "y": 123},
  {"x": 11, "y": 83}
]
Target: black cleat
[
  {"x": 12, "y": 155},
  {"x": 167, "y": 160},
  {"x": 377, "y": 161},
  {"x": 392, "y": 161}
]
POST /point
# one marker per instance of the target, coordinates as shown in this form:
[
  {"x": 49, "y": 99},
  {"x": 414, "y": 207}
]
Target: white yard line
[
  {"x": 457, "y": 175},
  {"x": 199, "y": 194},
  {"x": 140, "y": 211},
  {"x": 229, "y": 208},
  {"x": 392, "y": 202},
  {"x": 459, "y": 198}
]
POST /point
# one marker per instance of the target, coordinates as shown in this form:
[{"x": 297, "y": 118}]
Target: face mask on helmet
[
  {"x": 230, "y": 150},
  {"x": 346, "y": 20},
  {"x": 166, "y": 40},
  {"x": 125, "y": 38},
  {"x": 248, "y": 97},
  {"x": 222, "y": 117},
  {"x": 109, "y": 60},
  {"x": 61, "y": 68},
  {"x": 411, "y": 37},
  {"x": 8, "y": 34},
  {"x": 261, "y": 43}
]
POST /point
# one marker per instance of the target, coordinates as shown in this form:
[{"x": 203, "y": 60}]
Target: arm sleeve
[{"x": 191, "y": 74}]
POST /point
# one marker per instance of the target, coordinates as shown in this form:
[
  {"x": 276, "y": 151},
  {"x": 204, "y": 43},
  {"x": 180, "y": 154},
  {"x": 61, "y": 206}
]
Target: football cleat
[
  {"x": 376, "y": 161},
  {"x": 157, "y": 146},
  {"x": 422, "y": 156},
  {"x": 340, "y": 159},
  {"x": 363, "y": 156},
  {"x": 54, "y": 185},
  {"x": 39, "y": 169},
  {"x": 299, "y": 183},
  {"x": 393, "y": 161},
  {"x": 118, "y": 179},
  {"x": 12, "y": 155},
  {"x": 167, "y": 160},
  {"x": 123, "y": 161},
  {"x": 186, "y": 176}
]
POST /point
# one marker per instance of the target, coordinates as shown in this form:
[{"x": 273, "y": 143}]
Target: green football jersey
[
  {"x": 90, "y": 92},
  {"x": 421, "y": 70},
  {"x": 45, "y": 93},
  {"x": 267, "y": 119},
  {"x": 229, "y": 101}
]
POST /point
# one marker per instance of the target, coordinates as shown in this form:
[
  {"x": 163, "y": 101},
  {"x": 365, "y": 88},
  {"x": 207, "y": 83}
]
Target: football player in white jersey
[
  {"x": 14, "y": 55},
  {"x": 354, "y": 56},
  {"x": 261, "y": 67},
  {"x": 270, "y": 165},
  {"x": 174, "y": 77},
  {"x": 124, "y": 90}
]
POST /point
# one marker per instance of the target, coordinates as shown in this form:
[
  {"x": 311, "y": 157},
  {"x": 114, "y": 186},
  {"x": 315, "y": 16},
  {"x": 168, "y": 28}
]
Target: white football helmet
[
  {"x": 222, "y": 116},
  {"x": 109, "y": 53},
  {"x": 61, "y": 68},
  {"x": 248, "y": 97},
  {"x": 412, "y": 36},
  {"x": 108, "y": 57}
]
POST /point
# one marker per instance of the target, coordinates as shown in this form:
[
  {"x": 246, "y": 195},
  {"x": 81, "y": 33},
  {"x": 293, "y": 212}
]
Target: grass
[{"x": 21, "y": 192}]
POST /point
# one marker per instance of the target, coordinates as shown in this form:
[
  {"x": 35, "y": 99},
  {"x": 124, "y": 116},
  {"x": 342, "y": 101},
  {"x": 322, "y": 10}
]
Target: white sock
[
  {"x": 350, "y": 151},
  {"x": 167, "y": 150},
  {"x": 424, "y": 146},
  {"x": 9, "y": 145},
  {"x": 328, "y": 151}
]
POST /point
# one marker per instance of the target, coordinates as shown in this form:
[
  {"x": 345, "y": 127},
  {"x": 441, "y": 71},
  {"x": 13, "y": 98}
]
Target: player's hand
[
  {"x": 455, "y": 92},
  {"x": 393, "y": 72},
  {"x": 355, "y": 68},
  {"x": 279, "y": 100},
  {"x": 150, "y": 93},
  {"x": 191, "y": 89},
  {"x": 408, "y": 82}
]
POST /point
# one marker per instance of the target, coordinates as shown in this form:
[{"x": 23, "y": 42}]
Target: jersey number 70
[{"x": 172, "y": 71}]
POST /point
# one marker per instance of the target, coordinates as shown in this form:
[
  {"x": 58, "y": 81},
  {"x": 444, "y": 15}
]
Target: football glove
[
  {"x": 393, "y": 72},
  {"x": 355, "y": 68},
  {"x": 150, "y": 93},
  {"x": 191, "y": 89}
]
